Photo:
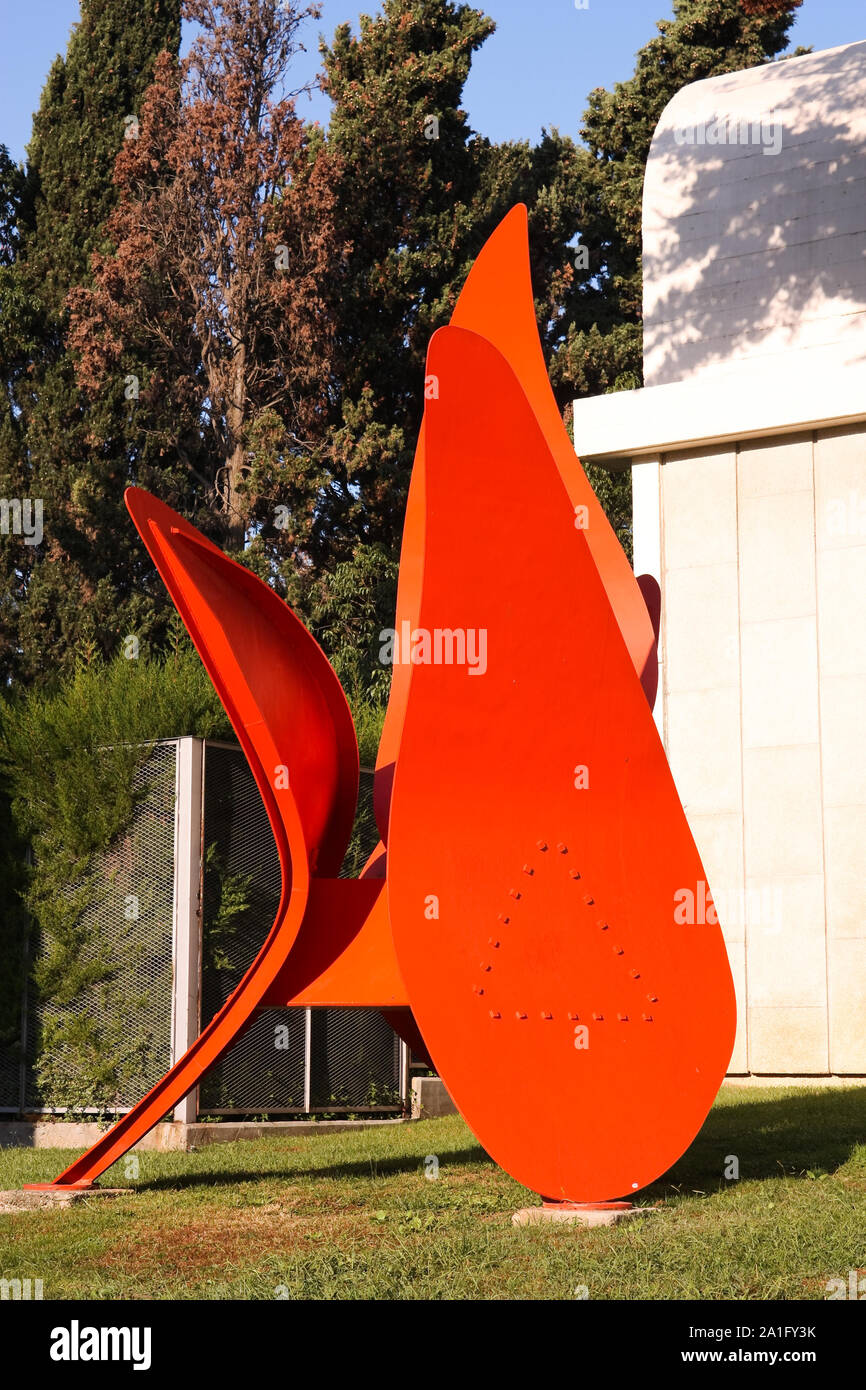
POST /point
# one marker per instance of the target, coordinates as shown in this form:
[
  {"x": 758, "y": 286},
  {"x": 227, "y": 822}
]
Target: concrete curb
[
  {"x": 171, "y": 1136},
  {"x": 430, "y": 1100}
]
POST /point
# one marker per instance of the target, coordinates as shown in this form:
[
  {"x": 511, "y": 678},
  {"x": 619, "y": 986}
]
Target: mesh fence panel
[
  {"x": 355, "y": 1057},
  {"x": 13, "y": 972},
  {"x": 354, "y": 1061},
  {"x": 264, "y": 1070},
  {"x": 125, "y": 1015},
  {"x": 10, "y": 1073}
]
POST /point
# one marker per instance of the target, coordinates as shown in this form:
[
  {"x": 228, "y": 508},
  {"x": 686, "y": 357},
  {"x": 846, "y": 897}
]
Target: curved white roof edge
[
  {"x": 626, "y": 425},
  {"x": 754, "y": 260},
  {"x": 754, "y": 218}
]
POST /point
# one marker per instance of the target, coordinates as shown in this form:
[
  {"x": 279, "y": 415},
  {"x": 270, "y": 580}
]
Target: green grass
[{"x": 352, "y": 1215}]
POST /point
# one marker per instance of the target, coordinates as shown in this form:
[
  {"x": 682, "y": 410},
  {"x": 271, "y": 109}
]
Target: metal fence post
[
  {"x": 308, "y": 1059},
  {"x": 186, "y": 912},
  {"x": 25, "y": 1006},
  {"x": 405, "y": 1077}
]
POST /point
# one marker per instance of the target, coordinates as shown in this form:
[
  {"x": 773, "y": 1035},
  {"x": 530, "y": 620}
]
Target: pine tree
[
  {"x": 306, "y": 383},
  {"x": 82, "y": 584},
  {"x": 419, "y": 193},
  {"x": 11, "y": 192},
  {"x": 288, "y": 406}
]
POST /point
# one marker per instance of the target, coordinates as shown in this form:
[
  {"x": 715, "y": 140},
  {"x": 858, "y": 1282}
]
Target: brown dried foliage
[{"x": 223, "y": 174}]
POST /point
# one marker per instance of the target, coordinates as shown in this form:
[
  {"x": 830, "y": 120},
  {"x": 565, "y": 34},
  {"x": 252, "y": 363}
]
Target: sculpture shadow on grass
[
  {"x": 812, "y": 1133},
  {"x": 357, "y": 1168},
  {"x": 808, "y": 1134}
]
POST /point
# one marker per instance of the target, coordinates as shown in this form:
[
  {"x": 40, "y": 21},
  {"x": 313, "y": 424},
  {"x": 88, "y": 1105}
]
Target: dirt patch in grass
[
  {"x": 194, "y": 1246},
  {"x": 231, "y": 1239}
]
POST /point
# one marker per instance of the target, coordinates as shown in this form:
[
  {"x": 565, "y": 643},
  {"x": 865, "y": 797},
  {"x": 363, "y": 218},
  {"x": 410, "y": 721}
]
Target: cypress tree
[{"x": 83, "y": 586}]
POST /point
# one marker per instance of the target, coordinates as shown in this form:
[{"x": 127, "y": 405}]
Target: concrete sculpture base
[
  {"x": 31, "y": 1198},
  {"x": 579, "y": 1214}
]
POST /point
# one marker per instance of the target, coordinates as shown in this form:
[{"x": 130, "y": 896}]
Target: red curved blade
[
  {"x": 291, "y": 717},
  {"x": 536, "y": 840},
  {"x": 278, "y": 688}
]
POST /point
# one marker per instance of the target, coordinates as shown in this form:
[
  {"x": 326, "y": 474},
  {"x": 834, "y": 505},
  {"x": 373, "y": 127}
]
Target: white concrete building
[{"x": 748, "y": 454}]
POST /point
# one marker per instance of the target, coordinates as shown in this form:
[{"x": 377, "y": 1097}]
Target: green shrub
[
  {"x": 68, "y": 763},
  {"x": 71, "y": 773}
]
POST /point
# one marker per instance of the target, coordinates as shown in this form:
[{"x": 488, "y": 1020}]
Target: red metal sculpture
[{"x": 521, "y": 903}]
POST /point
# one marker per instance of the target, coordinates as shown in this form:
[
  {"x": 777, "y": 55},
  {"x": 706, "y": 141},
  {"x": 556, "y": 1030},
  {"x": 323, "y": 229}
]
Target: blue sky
[{"x": 535, "y": 71}]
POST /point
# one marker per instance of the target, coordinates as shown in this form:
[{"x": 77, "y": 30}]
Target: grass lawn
[{"x": 353, "y": 1216}]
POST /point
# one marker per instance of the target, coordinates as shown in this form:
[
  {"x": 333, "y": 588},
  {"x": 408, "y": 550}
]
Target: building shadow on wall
[{"x": 734, "y": 245}]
